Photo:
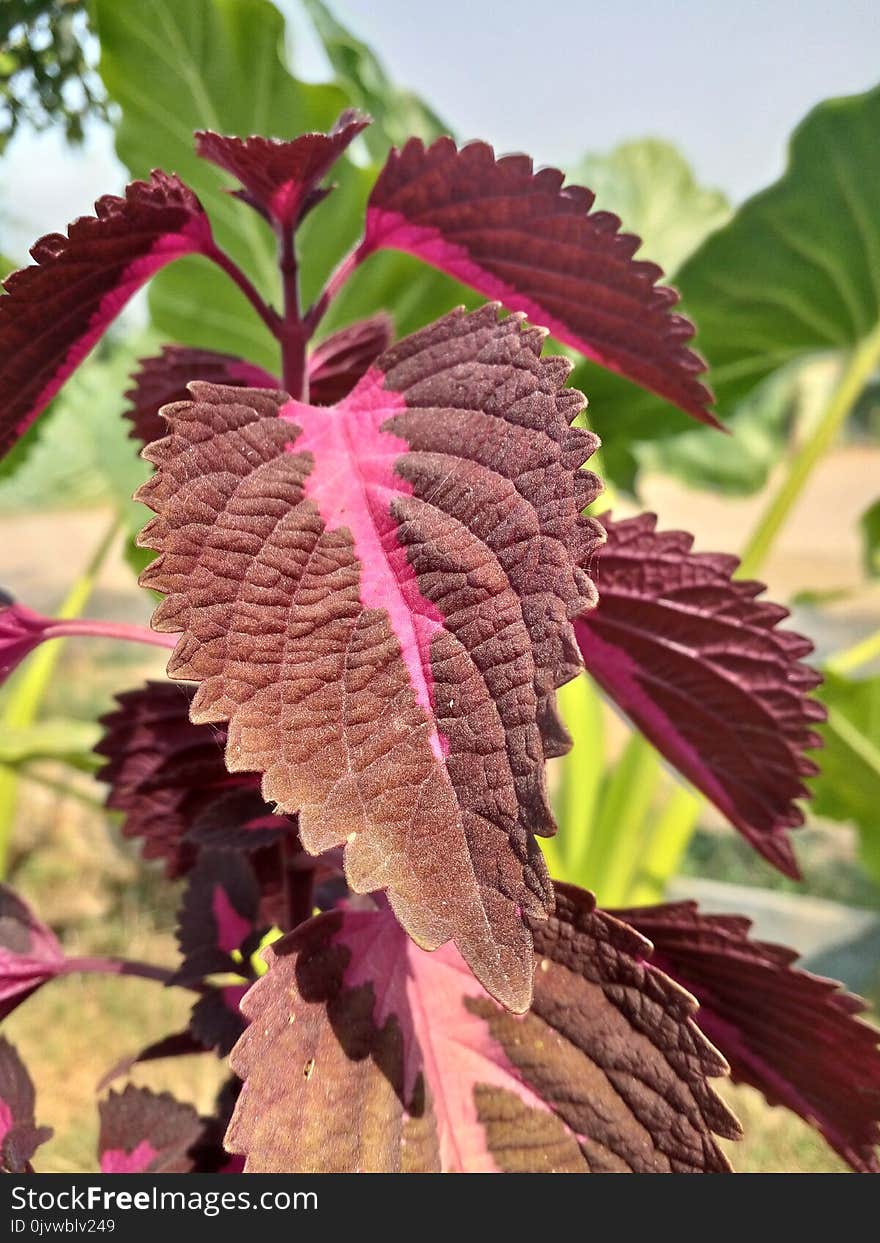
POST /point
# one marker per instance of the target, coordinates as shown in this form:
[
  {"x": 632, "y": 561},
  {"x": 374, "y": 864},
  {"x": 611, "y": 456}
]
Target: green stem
[
  {"x": 54, "y": 787},
  {"x": 861, "y": 653},
  {"x": 861, "y": 366},
  {"x": 665, "y": 848},
  {"x": 28, "y": 687}
]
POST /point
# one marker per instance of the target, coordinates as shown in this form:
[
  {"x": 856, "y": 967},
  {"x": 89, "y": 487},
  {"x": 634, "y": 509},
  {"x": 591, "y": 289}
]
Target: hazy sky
[{"x": 726, "y": 79}]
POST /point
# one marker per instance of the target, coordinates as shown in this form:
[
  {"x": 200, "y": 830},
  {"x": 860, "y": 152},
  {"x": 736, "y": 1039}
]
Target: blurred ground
[{"x": 69, "y": 860}]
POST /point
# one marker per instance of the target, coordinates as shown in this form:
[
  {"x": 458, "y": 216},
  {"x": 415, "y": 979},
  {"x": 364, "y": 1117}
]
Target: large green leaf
[
  {"x": 398, "y": 114},
  {"x": 651, "y": 186},
  {"x": 848, "y": 787},
  {"x": 794, "y": 274},
  {"x": 217, "y": 64}
]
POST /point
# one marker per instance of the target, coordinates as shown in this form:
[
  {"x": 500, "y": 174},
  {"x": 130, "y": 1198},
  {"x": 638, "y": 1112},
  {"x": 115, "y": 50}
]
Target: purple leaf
[
  {"x": 163, "y": 379},
  {"x": 364, "y": 1053},
  {"x": 20, "y": 1136},
  {"x": 336, "y": 365},
  {"x": 520, "y": 237},
  {"x": 29, "y": 952},
  {"x": 280, "y": 179},
  {"x": 21, "y": 630},
  {"x": 376, "y": 596},
  {"x": 216, "y": 1020},
  {"x": 178, "y": 1044},
  {"x": 238, "y": 819},
  {"x": 145, "y": 1132},
  {"x": 218, "y": 917},
  {"x": 699, "y": 664},
  {"x": 792, "y": 1035},
  {"x": 169, "y": 779},
  {"x": 57, "y": 309}
]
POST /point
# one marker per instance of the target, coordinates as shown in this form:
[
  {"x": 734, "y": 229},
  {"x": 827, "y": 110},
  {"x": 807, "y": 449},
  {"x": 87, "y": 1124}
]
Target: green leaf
[
  {"x": 651, "y": 186},
  {"x": 51, "y": 739},
  {"x": 216, "y": 64},
  {"x": 739, "y": 467},
  {"x": 848, "y": 787},
  {"x": 794, "y": 274},
  {"x": 869, "y": 525},
  {"x": 397, "y": 114}
]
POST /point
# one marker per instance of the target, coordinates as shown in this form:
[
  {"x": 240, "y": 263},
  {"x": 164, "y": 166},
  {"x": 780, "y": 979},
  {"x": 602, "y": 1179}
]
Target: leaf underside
[
  {"x": 523, "y": 238},
  {"x": 19, "y": 1134},
  {"x": 377, "y": 597},
  {"x": 699, "y": 664},
  {"x": 792, "y": 1035},
  {"x": 55, "y": 310},
  {"x": 364, "y": 1053}
]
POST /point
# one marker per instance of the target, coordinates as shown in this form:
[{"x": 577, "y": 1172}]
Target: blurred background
[{"x": 675, "y": 114}]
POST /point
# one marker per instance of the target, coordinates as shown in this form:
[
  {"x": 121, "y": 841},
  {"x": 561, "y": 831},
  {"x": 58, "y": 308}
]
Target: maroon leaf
[
  {"x": 280, "y": 179},
  {"x": 145, "y": 1132},
  {"x": 791, "y": 1035},
  {"x": 57, "y": 309},
  {"x": 700, "y": 666},
  {"x": 365, "y": 1053},
  {"x": 336, "y": 365},
  {"x": 218, "y": 917},
  {"x": 238, "y": 819},
  {"x": 178, "y": 1044},
  {"x": 519, "y": 236},
  {"x": 169, "y": 779},
  {"x": 216, "y": 1020},
  {"x": 376, "y": 596},
  {"x": 163, "y": 379},
  {"x": 29, "y": 952},
  {"x": 20, "y": 1136},
  {"x": 21, "y": 630}
]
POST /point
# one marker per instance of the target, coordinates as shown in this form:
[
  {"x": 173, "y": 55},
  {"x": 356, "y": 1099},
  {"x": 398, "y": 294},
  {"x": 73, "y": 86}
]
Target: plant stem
[
  {"x": 337, "y": 279},
  {"x": 299, "y": 886},
  {"x": 862, "y": 362},
  {"x": 28, "y": 687},
  {"x": 861, "y": 653},
  {"x": 293, "y": 332},
  {"x": 97, "y": 965},
  {"x": 267, "y": 314},
  {"x": 95, "y": 629}
]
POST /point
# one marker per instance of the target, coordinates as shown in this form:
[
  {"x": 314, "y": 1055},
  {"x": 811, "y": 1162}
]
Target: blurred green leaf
[
  {"x": 794, "y": 274},
  {"x": 397, "y": 114},
  {"x": 578, "y": 777},
  {"x": 651, "y": 186},
  {"x": 848, "y": 787},
  {"x": 869, "y": 525},
  {"x": 740, "y": 466},
  {"x": 51, "y": 739}
]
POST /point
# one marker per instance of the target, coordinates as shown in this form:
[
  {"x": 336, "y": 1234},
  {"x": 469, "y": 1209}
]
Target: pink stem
[
  {"x": 337, "y": 280},
  {"x": 267, "y": 314},
  {"x": 78, "y": 626},
  {"x": 293, "y": 334},
  {"x": 96, "y": 965}
]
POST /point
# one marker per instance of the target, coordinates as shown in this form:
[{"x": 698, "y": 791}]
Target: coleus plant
[{"x": 376, "y": 570}]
